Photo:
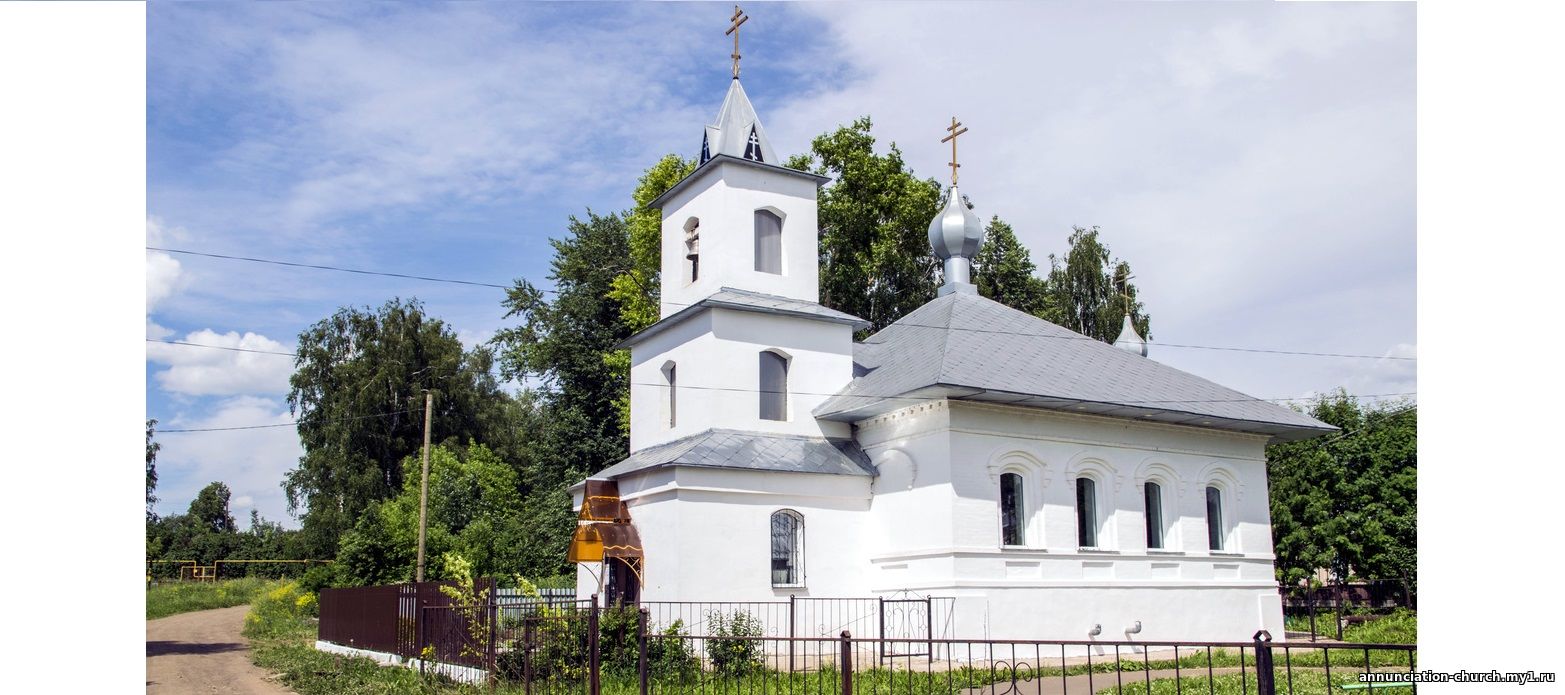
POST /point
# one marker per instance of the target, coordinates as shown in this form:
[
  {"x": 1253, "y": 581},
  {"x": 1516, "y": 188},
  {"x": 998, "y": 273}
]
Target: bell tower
[{"x": 741, "y": 220}]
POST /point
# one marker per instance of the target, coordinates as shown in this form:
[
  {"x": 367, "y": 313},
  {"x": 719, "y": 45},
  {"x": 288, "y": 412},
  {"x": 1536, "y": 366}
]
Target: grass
[
  {"x": 1303, "y": 683},
  {"x": 282, "y": 636},
  {"x": 183, "y": 597}
]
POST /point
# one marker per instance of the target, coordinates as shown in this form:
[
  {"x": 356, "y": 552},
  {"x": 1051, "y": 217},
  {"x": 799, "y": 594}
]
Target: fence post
[
  {"x": 592, "y": 648},
  {"x": 1310, "y": 598},
  {"x": 847, "y": 663},
  {"x": 527, "y": 654},
  {"x": 1265, "y": 678},
  {"x": 1337, "y": 598},
  {"x": 792, "y": 620},
  {"x": 494, "y": 620},
  {"x": 882, "y": 642},
  {"x": 641, "y": 646}
]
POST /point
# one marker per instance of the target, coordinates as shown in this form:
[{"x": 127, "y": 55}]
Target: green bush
[
  {"x": 729, "y": 653},
  {"x": 560, "y": 648}
]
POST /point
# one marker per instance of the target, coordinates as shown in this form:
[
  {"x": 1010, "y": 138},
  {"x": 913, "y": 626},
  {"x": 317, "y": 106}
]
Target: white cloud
[
  {"x": 402, "y": 108},
  {"x": 195, "y": 371},
  {"x": 1254, "y": 162},
  {"x": 250, "y": 461},
  {"x": 165, "y": 276}
]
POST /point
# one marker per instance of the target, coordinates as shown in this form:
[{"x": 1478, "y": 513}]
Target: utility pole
[{"x": 423, "y": 485}]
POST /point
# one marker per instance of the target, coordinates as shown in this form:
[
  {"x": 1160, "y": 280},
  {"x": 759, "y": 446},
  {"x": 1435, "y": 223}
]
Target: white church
[{"x": 1056, "y": 486}]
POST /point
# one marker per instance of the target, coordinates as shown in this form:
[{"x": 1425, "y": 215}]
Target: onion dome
[
  {"x": 955, "y": 234},
  {"x": 1129, "y": 340}
]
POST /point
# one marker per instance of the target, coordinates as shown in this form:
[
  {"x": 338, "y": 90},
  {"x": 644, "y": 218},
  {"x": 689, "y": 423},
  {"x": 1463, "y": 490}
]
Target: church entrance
[{"x": 622, "y": 584}]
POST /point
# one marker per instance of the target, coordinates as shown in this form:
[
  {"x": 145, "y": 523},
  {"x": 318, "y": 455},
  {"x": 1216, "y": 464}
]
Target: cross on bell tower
[{"x": 739, "y": 18}]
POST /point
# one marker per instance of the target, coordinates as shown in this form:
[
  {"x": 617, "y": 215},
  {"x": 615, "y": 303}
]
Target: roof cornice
[{"x": 711, "y": 164}]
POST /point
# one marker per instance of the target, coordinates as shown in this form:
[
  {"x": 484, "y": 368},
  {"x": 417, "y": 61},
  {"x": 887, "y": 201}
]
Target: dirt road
[{"x": 203, "y": 652}]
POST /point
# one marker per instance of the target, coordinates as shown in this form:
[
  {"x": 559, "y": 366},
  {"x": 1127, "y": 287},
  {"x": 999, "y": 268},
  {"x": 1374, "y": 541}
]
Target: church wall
[
  {"x": 948, "y": 543},
  {"x": 725, "y": 201},
  {"x": 717, "y": 355},
  {"x": 707, "y": 532}
]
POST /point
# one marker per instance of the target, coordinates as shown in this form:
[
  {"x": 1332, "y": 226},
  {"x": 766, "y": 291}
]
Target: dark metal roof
[
  {"x": 966, "y": 347},
  {"x": 759, "y": 451},
  {"x": 745, "y": 300}
]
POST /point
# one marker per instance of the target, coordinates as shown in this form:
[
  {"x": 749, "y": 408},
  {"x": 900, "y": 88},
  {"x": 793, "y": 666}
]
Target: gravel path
[{"x": 203, "y": 652}]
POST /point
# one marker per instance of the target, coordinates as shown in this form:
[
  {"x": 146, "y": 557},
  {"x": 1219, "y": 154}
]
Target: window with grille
[{"x": 787, "y": 548}]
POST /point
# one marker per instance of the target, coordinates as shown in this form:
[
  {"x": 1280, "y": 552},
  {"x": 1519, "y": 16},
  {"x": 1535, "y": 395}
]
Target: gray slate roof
[
  {"x": 963, "y": 346},
  {"x": 761, "y": 451},
  {"x": 745, "y": 300}
]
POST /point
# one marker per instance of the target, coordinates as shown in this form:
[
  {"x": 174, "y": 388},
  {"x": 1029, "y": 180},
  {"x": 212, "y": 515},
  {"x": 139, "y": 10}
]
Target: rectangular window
[
  {"x": 673, "y": 395},
  {"x": 774, "y": 386},
  {"x": 1011, "y": 509},
  {"x": 1154, "y": 495},
  {"x": 1214, "y": 518},
  {"x": 768, "y": 242},
  {"x": 1086, "y": 513}
]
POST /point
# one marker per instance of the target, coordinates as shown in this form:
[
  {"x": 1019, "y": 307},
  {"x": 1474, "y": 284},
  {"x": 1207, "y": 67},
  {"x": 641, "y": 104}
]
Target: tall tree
[
  {"x": 567, "y": 347},
  {"x": 1086, "y": 290},
  {"x": 1003, "y": 271},
  {"x": 358, "y": 395},
  {"x": 638, "y": 288},
  {"x": 875, "y": 261},
  {"x": 1348, "y": 503},
  {"x": 152, "y": 468}
]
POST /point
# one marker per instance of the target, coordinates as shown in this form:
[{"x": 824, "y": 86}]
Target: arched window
[
  {"x": 787, "y": 548},
  {"x": 1012, "y": 510},
  {"x": 670, "y": 374},
  {"x": 692, "y": 250},
  {"x": 1154, "y": 509},
  {"x": 768, "y": 242},
  {"x": 1086, "y": 513},
  {"x": 1214, "y": 518},
  {"x": 774, "y": 386}
]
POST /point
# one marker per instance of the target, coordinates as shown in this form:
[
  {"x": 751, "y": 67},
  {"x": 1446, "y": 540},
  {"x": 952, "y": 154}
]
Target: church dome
[
  {"x": 955, "y": 232},
  {"x": 1129, "y": 340}
]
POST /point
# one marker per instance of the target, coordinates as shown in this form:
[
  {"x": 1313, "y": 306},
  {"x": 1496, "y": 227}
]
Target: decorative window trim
[{"x": 690, "y": 251}]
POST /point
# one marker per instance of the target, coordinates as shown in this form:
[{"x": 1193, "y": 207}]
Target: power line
[
  {"x": 1300, "y": 353},
  {"x": 222, "y": 347},
  {"x": 328, "y": 267},
  {"x": 285, "y": 424}
]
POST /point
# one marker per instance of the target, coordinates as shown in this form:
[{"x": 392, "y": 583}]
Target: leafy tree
[
  {"x": 1003, "y": 271},
  {"x": 475, "y": 510},
  {"x": 209, "y": 510},
  {"x": 875, "y": 260},
  {"x": 1348, "y": 502},
  {"x": 152, "y": 468},
  {"x": 357, "y": 390},
  {"x": 1085, "y": 290},
  {"x": 567, "y": 347},
  {"x": 637, "y": 288}
]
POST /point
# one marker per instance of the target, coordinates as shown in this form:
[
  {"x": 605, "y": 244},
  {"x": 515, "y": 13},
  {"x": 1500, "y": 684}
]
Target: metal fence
[
  {"x": 557, "y": 647},
  {"x": 1332, "y": 607}
]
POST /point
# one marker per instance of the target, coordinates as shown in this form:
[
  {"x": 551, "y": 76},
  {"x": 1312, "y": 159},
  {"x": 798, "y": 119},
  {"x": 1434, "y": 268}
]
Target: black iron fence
[
  {"x": 579, "y": 648},
  {"x": 1328, "y": 610}
]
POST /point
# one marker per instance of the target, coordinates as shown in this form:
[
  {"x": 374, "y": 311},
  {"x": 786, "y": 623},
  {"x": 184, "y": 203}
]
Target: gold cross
[
  {"x": 952, "y": 139},
  {"x": 739, "y": 18}
]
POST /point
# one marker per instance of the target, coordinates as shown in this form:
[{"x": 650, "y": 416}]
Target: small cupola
[
  {"x": 1129, "y": 340},
  {"x": 956, "y": 232}
]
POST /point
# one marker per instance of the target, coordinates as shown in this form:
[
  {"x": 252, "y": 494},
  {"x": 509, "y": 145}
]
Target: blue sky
[{"x": 1253, "y": 161}]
